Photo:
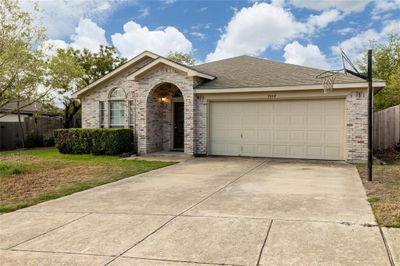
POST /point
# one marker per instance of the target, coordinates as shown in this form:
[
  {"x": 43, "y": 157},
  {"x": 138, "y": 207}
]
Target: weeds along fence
[
  {"x": 11, "y": 133},
  {"x": 386, "y": 128}
]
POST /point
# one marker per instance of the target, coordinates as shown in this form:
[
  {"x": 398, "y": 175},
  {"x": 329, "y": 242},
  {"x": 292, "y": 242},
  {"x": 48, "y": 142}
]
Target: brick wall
[
  {"x": 147, "y": 131},
  {"x": 357, "y": 126}
]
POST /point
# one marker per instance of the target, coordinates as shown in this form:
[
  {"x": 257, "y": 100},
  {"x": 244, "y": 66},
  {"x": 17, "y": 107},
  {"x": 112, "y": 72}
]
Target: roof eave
[
  {"x": 115, "y": 72},
  {"x": 161, "y": 60},
  {"x": 376, "y": 85}
]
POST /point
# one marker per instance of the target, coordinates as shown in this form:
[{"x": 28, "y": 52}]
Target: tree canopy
[
  {"x": 23, "y": 65},
  {"x": 181, "y": 58},
  {"x": 72, "y": 69},
  {"x": 386, "y": 66}
]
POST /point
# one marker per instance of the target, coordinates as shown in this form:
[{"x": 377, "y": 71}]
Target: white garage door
[{"x": 312, "y": 129}]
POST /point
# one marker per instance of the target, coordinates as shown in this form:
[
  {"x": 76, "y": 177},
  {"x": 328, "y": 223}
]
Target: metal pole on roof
[{"x": 370, "y": 114}]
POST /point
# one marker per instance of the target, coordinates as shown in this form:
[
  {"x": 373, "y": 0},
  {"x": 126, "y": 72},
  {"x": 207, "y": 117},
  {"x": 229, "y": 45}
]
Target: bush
[
  {"x": 109, "y": 141},
  {"x": 33, "y": 140},
  {"x": 48, "y": 141}
]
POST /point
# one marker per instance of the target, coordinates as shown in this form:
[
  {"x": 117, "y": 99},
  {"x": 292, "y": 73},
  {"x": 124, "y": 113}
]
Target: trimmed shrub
[
  {"x": 109, "y": 141},
  {"x": 33, "y": 140}
]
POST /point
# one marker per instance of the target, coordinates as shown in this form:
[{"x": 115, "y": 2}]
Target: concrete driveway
[{"x": 232, "y": 211}]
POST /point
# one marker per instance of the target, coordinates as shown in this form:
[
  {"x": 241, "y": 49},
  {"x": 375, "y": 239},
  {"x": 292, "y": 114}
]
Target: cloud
[
  {"x": 343, "y": 5},
  {"x": 143, "y": 12},
  {"x": 201, "y": 26},
  {"x": 254, "y": 29},
  {"x": 322, "y": 20},
  {"x": 87, "y": 35},
  {"x": 135, "y": 39},
  {"x": 356, "y": 46},
  {"x": 50, "y": 46},
  {"x": 168, "y": 2},
  {"x": 386, "y": 5},
  {"x": 61, "y": 16},
  {"x": 345, "y": 31},
  {"x": 309, "y": 55},
  {"x": 198, "y": 35}
]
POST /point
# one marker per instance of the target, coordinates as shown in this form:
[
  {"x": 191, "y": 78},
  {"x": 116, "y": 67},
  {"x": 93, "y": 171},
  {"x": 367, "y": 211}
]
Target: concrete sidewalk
[{"x": 233, "y": 211}]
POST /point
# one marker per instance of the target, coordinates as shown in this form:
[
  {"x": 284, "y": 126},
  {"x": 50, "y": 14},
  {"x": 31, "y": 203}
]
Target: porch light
[{"x": 164, "y": 100}]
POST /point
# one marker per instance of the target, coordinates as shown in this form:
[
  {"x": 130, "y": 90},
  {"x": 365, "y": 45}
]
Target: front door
[{"x": 178, "y": 125}]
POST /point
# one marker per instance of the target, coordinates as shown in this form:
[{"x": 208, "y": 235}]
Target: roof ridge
[{"x": 262, "y": 59}]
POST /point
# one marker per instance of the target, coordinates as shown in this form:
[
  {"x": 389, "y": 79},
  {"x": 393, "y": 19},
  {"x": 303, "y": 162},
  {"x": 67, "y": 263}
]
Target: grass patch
[
  {"x": 32, "y": 176},
  {"x": 7, "y": 169},
  {"x": 383, "y": 193}
]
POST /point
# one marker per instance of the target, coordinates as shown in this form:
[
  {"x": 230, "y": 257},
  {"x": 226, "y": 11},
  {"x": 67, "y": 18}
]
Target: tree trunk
[
  {"x": 72, "y": 107},
  {"x": 20, "y": 125}
]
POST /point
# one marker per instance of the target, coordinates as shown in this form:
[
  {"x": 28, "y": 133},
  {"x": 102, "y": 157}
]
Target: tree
[
  {"x": 22, "y": 63},
  {"x": 181, "y": 58},
  {"x": 386, "y": 66},
  {"x": 72, "y": 69}
]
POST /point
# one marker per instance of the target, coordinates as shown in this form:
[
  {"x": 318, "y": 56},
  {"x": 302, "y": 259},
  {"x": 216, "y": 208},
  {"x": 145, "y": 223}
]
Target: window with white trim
[{"x": 117, "y": 107}]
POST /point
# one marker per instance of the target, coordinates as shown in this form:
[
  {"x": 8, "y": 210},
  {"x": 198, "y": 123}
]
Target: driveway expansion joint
[
  {"x": 264, "y": 243},
  {"x": 389, "y": 253},
  {"x": 182, "y": 261},
  {"x": 51, "y": 230},
  {"x": 61, "y": 252},
  {"x": 186, "y": 210}
]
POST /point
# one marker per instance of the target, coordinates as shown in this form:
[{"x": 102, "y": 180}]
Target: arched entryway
[{"x": 165, "y": 119}]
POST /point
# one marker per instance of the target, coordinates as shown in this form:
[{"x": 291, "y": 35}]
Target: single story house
[
  {"x": 8, "y": 112},
  {"x": 241, "y": 106}
]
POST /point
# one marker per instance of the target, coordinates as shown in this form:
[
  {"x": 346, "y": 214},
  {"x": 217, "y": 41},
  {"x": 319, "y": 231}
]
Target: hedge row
[{"x": 108, "y": 141}]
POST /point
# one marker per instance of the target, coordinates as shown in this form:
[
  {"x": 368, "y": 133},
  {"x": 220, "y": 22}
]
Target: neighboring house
[
  {"x": 9, "y": 110},
  {"x": 242, "y": 106}
]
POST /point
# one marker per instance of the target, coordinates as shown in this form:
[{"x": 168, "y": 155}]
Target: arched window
[
  {"x": 117, "y": 94},
  {"x": 117, "y": 107}
]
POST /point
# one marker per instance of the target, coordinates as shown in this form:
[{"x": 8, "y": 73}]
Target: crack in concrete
[
  {"x": 264, "y": 244},
  {"x": 51, "y": 230},
  {"x": 180, "y": 214}
]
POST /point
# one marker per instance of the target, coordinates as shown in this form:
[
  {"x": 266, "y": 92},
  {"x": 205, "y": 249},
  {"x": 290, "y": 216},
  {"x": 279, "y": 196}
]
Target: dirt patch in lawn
[
  {"x": 384, "y": 193},
  {"x": 28, "y": 177},
  {"x": 26, "y": 186}
]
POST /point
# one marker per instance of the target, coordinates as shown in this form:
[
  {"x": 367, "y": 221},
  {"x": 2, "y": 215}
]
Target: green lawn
[
  {"x": 383, "y": 193},
  {"x": 28, "y": 177}
]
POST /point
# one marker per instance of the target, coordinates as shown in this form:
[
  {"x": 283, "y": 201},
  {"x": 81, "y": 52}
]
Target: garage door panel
[
  {"x": 315, "y": 122},
  {"x": 297, "y": 151},
  {"x": 298, "y": 122},
  {"x": 250, "y": 121},
  {"x": 265, "y": 136},
  {"x": 281, "y": 136},
  {"x": 280, "y": 150},
  {"x": 314, "y": 152},
  {"x": 297, "y": 136},
  {"x": 311, "y": 129}
]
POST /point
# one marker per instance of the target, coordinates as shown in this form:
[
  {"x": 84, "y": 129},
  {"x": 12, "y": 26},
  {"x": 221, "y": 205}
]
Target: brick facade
[
  {"x": 153, "y": 120},
  {"x": 357, "y": 126}
]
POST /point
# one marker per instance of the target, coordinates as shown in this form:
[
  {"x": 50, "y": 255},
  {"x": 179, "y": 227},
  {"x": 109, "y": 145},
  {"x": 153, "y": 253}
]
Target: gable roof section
[
  {"x": 116, "y": 71},
  {"x": 252, "y": 72},
  {"x": 190, "y": 71}
]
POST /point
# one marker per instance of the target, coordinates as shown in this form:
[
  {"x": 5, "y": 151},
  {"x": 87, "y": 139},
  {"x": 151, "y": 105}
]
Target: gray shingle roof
[
  {"x": 30, "y": 109},
  {"x": 246, "y": 71}
]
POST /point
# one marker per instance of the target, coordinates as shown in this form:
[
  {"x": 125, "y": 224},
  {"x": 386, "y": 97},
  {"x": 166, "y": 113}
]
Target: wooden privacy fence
[
  {"x": 10, "y": 132},
  {"x": 386, "y": 128}
]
